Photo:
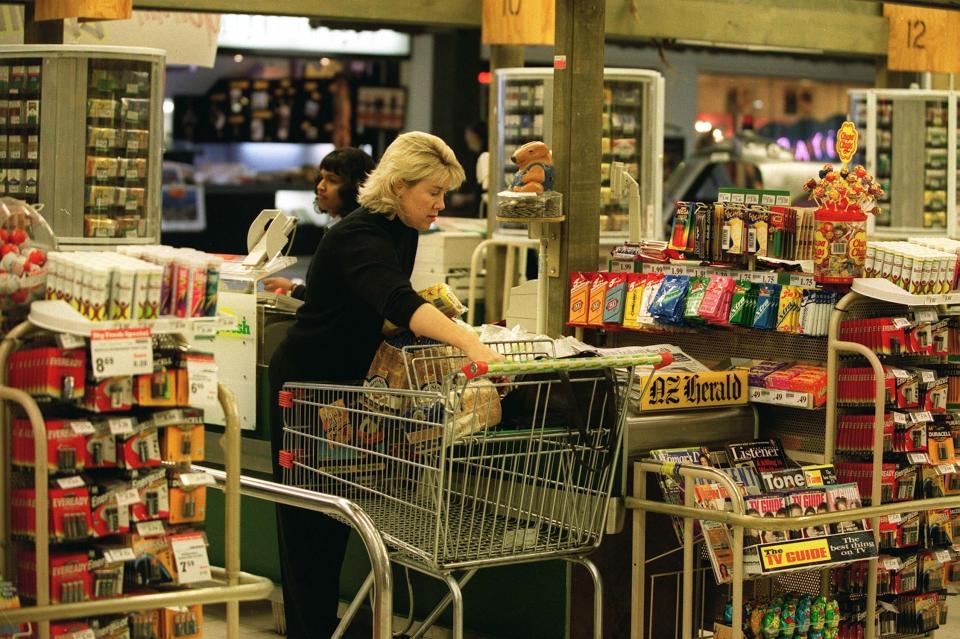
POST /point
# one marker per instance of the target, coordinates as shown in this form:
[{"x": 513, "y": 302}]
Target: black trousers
[{"x": 312, "y": 545}]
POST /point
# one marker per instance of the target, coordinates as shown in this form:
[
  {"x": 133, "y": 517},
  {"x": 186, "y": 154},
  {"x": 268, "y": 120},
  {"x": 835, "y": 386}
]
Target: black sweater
[{"x": 359, "y": 276}]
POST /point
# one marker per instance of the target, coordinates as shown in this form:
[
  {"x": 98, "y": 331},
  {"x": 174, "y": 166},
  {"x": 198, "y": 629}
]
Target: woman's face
[
  {"x": 421, "y": 202},
  {"x": 328, "y": 193}
]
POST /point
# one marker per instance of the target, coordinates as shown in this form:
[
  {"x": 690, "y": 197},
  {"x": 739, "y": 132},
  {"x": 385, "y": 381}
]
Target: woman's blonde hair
[{"x": 410, "y": 158}]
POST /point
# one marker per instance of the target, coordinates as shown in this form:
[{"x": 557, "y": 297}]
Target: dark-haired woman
[{"x": 341, "y": 173}]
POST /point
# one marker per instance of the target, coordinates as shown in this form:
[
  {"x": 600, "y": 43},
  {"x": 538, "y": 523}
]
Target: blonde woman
[{"x": 359, "y": 276}]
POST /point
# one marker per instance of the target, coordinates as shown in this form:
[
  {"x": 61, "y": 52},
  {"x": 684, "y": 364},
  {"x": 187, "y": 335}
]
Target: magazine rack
[{"x": 800, "y": 432}]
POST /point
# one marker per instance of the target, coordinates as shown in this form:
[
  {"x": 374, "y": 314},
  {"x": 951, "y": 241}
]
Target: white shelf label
[
  {"x": 101, "y": 144},
  {"x": 83, "y": 634},
  {"x": 125, "y": 351},
  {"x": 82, "y": 428},
  {"x": 780, "y": 397},
  {"x": 132, "y": 174},
  {"x": 66, "y": 340},
  {"x": 131, "y": 205},
  {"x": 891, "y": 563},
  {"x": 895, "y": 518},
  {"x": 190, "y": 556},
  {"x": 899, "y": 418},
  {"x": 946, "y": 469},
  {"x": 901, "y": 322},
  {"x": 206, "y": 328},
  {"x": 150, "y": 528},
  {"x": 899, "y": 373},
  {"x": 120, "y": 426},
  {"x": 202, "y": 381},
  {"x": 71, "y": 482},
  {"x": 127, "y": 497},
  {"x": 928, "y": 377},
  {"x": 196, "y": 479},
  {"x": 922, "y": 417},
  {"x": 103, "y": 174},
  {"x": 926, "y": 315},
  {"x": 917, "y": 458},
  {"x": 119, "y": 555},
  {"x": 133, "y": 146},
  {"x": 943, "y": 556},
  {"x": 133, "y": 88}
]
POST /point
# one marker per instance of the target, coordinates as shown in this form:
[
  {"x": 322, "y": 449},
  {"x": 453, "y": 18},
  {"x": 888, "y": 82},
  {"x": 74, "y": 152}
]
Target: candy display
[
  {"x": 913, "y": 266},
  {"x": 791, "y": 615}
]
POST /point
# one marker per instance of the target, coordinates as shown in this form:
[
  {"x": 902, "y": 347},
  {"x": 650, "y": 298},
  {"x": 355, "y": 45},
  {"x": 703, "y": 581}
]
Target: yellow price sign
[{"x": 922, "y": 39}]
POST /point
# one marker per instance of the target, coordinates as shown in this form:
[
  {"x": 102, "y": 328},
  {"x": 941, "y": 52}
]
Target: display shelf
[
  {"x": 59, "y": 317},
  {"x": 793, "y": 399},
  {"x": 531, "y": 220},
  {"x": 886, "y": 291}
]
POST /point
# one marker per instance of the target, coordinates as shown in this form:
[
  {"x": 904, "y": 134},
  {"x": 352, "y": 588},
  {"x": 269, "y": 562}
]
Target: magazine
[
  {"x": 845, "y": 497},
  {"x": 822, "y": 475},
  {"x": 808, "y": 502},
  {"x": 671, "y": 487},
  {"x": 765, "y": 506},
  {"x": 778, "y": 481},
  {"x": 764, "y": 456},
  {"x": 716, "y": 534}
]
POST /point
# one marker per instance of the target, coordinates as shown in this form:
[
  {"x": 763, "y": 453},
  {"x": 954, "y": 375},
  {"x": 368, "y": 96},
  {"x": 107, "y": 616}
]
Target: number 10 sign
[{"x": 923, "y": 39}]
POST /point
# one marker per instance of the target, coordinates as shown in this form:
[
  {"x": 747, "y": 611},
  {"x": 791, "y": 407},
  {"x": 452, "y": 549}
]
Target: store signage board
[
  {"x": 922, "y": 39},
  {"x": 296, "y": 34},
  {"x": 675, "y": 390},
  {"x": 817, "y": 551},
  {"x": 188, "y": 38},
  {"x": 124, "y": 351},
  {"x": 518, "y": 22}
]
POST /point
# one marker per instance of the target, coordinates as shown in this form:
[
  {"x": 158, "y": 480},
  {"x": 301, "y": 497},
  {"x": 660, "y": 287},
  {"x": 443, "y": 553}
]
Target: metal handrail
[{"x": 331, "y": 505}]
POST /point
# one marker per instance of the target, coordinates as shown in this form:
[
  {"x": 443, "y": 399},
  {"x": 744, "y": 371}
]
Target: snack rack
[
  {"x": 799, "y": 430},
  {"x": 232, "y": 585}
]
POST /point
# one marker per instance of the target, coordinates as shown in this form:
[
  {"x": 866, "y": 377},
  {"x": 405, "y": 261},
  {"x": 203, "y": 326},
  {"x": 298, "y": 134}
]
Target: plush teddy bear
[{"x": 535, "y": 168}]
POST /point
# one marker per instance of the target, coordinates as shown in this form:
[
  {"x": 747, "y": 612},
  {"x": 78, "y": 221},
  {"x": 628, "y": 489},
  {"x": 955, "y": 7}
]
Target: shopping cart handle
[{"x": 479, "y": 369}]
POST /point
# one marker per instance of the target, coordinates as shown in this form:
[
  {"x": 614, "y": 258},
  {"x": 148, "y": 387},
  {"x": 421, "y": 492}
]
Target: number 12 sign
[{"x": 923, "y": 39}]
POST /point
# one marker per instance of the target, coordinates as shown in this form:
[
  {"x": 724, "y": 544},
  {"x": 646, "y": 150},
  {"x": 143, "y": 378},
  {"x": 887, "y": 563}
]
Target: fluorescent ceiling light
[{"x": 282, "y": 33}]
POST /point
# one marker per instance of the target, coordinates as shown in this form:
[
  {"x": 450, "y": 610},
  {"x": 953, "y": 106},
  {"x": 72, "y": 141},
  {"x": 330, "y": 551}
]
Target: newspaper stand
[{"x": 456, "y": 479}]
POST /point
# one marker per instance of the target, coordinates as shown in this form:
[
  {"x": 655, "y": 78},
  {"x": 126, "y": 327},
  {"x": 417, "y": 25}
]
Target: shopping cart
[{"x": 480, "y": 465}]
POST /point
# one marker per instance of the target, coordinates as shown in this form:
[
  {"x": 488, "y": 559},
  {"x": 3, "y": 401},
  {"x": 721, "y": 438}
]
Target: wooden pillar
[
  {"x": 577, "y": 108},
  {"x": 43, "y": 32},
  {"x": 502, "y": 56}
]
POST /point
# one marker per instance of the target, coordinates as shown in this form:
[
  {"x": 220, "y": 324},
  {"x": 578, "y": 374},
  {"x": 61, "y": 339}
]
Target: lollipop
[{"x": 771, "y": 624}]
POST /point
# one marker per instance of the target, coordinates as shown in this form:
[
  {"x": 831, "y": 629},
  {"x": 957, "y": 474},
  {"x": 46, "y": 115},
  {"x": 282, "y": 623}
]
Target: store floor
[{"x": 256, "y": 622}]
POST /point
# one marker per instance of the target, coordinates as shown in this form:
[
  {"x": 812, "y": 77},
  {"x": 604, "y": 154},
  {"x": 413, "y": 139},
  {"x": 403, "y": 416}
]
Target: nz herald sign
[{"x": 675, "y": 390}]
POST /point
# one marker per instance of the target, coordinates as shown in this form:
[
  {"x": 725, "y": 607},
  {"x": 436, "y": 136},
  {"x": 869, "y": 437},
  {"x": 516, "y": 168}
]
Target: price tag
[
  {"x": 150, "y": 528},
  {"x": 895, "y": 518},
  {"x": 922, "y": 417},
  {"x": 190, "y": 556},
  {"x": 133, "y": 88},
  {"x": 71, "y": 482},
  {"x": 899, "y": 373},
  {"x": 119, "y": 555},
  {"x": 205, "y": 328},
  {"x": 133, "y": 116},
  {"x": 899, "y": 418},
  {"x": 202, "y": 381},
  {"x": 83, "y": 634},
  {"x": 901, "y": 322},
  {"x": 120, "y": 425},
  {"x": 82, "y": 428},
  {"x": 103, "y": 202},
  {"x": 946, "y": 469},
  {"x": 132, "y": 174},
  {"x": 889, "y": 607},
  {"x": 196, "y": 479},
  {"x": 127, "y": 497},
  {"x": 101, "y": 144},
  {"x": 925, "y": 315},
  {"x": 928, "y": 377},
  {"x": 103, "y": 174},
  {"x": 917, "y": 458},
  {"x": 943, "y": 556},
  {"x": 891, "y": 563},
  {"x": 133, "y": 146},
  {"x": 756, "y": 393},
  {"x": 131, "y": 205},
  {"x": 125, "y": 351}
]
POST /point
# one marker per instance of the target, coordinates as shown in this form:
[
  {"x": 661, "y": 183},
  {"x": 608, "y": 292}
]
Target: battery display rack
[{"x": 106, "y": 509}]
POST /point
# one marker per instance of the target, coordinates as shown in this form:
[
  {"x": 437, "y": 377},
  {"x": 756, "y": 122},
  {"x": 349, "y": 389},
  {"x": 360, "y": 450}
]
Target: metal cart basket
[{"x": 487, "y": 465}]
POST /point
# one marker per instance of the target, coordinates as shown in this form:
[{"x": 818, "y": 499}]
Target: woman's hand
[
  {"x": 480, "y": 352},
  {"x": 278, "y": 285}
]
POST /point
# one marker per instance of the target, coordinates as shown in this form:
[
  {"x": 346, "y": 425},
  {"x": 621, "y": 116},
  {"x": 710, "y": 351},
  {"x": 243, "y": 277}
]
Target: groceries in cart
[{"x": 459, "y": 461}]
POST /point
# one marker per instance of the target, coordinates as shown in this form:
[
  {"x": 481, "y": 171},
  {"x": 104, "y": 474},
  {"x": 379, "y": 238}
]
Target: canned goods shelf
[{"x": 58, "y": 316}]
